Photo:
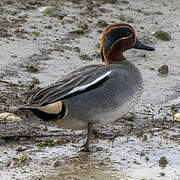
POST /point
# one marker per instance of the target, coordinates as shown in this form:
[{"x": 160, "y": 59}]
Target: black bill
[{"x": 139, "y": 45}]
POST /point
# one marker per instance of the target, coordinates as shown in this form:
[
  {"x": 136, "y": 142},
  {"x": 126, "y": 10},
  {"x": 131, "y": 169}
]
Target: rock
[
  {"x": 110, "y": 1},
  {"x": 101, "y": 162},
  {"x": 162, "y": 174},
  {"x": 85, "y": 57},
  {"x": 4, "y": 32},
  {"x": 158, "y": 13},
  {"x": 9, "y": 117},
  {"x": 35, "y": 34},
  {"x": 161, "y": 35},
  {"x": 20, "y": 35},
  {"x": 163, "y": 162},
  {"x": 48, "y": 27},
  {"x": 102, "y": 23},
  {"x": 35, "y": 80},
  {"x": 78, "y": 32},
  {"x": 83, "y": 26},
  {"x": 175, "y": 109},
  {"x": 32, "y": 69},
  {"x": 49, "y": 142},
  {"x": 125, "y": 2},
  {"x": 177, "y": 117},
  {"x": 21, "y": 148},
  {"x": 163, "y": 69},
  {"x": 152, "y": 69},
  {"x": 126, "y": 18},
  {"x": 57, "y": 163},
  {"x": 67, "y": 20},
  {"x": 52, "y": 11}
]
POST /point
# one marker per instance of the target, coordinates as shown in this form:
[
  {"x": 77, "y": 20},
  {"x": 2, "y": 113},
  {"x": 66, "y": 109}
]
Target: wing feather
[{"x": 73, "y": 84}]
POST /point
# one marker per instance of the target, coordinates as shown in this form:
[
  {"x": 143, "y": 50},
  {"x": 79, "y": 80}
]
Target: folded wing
[{"x": 49, "y": 99}]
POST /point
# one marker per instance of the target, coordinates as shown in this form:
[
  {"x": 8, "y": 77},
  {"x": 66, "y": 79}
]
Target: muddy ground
[{"x": 36, "y": 49}]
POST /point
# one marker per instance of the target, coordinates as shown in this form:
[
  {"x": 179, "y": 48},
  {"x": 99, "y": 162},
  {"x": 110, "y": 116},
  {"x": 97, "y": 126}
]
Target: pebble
[
  {"x": 163, "y": 161},
  {"x": 162, "y": 174},
  {"x": 32, "y": 69},
  {"x": 163, "y": 69},
  {"x": 9, "y": 117},
  {"x": 35, "y": 80},
  {"x": 57, "y": 163},
  {"x": 161, "y": 35},
  {"x": 102, "y": 23}
]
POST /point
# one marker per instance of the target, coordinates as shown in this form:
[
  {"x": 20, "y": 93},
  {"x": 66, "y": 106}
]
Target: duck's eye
[{"x": 128, "y": 33}]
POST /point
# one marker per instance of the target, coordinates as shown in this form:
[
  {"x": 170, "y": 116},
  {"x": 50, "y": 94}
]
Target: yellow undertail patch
[{"x": 54, "y": 108}]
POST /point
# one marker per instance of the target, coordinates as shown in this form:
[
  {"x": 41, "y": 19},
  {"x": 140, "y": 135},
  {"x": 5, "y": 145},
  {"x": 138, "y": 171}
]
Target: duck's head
[{"x": 116, "y": 39}]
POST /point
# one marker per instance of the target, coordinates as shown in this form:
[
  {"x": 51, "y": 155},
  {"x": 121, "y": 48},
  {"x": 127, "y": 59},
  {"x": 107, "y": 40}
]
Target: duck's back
[{"x": 109, "y": 101}]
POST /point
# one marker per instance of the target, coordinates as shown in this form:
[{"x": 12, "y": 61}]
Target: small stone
[
  {"x": 32, "y": 69},
  {"x": 161, "y": 35},
  {"x": 145, "y": 138},
  {"x": 57, "y": 163},
  {"x": 20, "y": 35},
  {"x": 85, "y": 57},
  {"x": 21, "y": 148},
  {"x": 77, "y": 49},
  {"x": 102, "y": 23},
  {"x": 35, "y": 34},
  {"x": 146, "y": 159},
  {"x": 111, "y": 1},
  {"x": 4, "y": 32},
  {"x": 151, "y": 68},
  {"x": 162, "y": 174},
  {"x": 158, "y": 13},
  {"x": 101, "y": 162},
  {"x": 175, "y": 109},
  {"x": 125, "y": 2},
  {"x": 163, "y": 69},
  {"x": 14, "y": 56},
  {"x": 126, "y": 18},
  {"x": 53, "y": 11},
  {"x": 142, "y": 153},
  {"x": 9, "y": 117},
  {"x": 163, "y": 162},
  {"x": 135, "y": 162},
  {"x": 35, "y": 80},
  {"x": 48, "y": 27},
  {"x": 78, "y": 32}
]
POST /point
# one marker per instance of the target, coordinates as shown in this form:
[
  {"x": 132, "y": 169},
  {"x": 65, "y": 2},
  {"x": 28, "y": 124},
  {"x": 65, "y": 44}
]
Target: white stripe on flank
[{"x": 81, "y": 88}]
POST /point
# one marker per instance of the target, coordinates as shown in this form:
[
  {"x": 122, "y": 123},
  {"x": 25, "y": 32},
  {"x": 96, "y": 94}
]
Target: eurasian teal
[{"x": 94, "y": 95}]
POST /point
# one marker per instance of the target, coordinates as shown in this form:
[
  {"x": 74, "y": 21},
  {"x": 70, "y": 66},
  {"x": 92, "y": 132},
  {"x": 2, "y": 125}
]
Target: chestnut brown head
[{"x": 116, "y": 39}]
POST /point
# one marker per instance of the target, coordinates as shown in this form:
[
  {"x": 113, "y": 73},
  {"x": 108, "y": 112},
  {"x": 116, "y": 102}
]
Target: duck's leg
[
  {"x": 86, "y": 147},
  {"x": 105, "y": 135},
  {"x": 27, "y": 116}
]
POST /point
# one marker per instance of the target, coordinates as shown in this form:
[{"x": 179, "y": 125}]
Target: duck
[{"x": 97, "y": 94}]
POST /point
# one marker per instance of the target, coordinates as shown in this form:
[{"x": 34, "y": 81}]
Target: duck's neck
[{"x": 112, "y": 58}]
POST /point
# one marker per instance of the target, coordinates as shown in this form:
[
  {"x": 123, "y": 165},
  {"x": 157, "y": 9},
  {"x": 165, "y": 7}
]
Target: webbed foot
[{"x": 85, "y": 148}]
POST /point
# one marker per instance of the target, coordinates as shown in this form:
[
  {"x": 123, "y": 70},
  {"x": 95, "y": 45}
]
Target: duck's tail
[
  {"x": 53, "y": 108},
  {"x": 48, "y": 112}
]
